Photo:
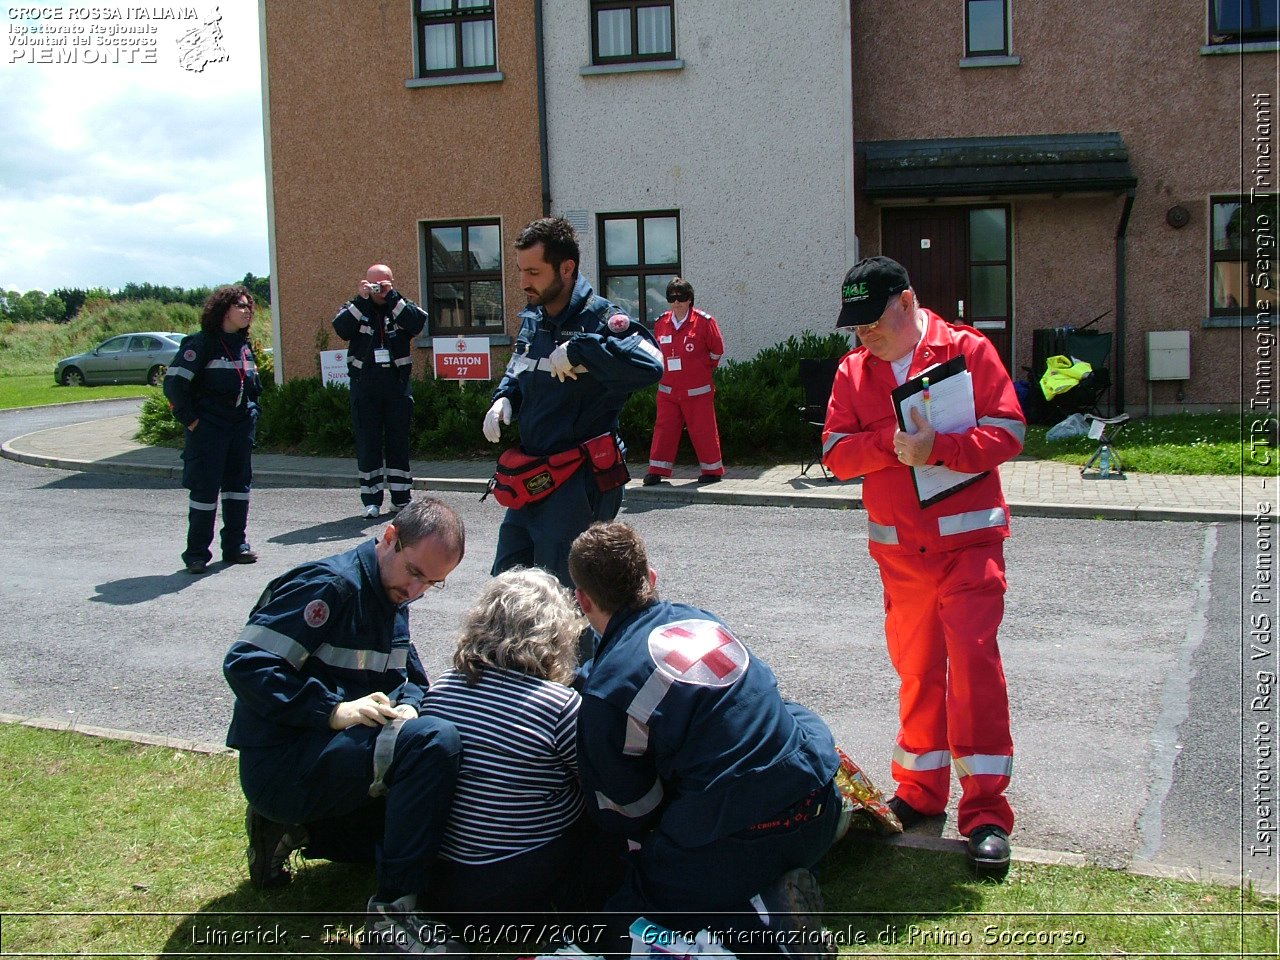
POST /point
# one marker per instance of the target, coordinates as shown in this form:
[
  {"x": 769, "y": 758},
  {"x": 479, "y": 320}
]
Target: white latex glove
[
  {"x": 561, "y": 366},
  {"x": 501, "y": 410}
]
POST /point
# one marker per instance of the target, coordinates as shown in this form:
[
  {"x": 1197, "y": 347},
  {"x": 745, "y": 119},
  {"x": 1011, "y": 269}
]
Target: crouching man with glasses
[{"x": 334, "y": 758}]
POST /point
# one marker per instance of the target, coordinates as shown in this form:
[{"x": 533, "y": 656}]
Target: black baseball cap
[{"x": 867, "y": 288}]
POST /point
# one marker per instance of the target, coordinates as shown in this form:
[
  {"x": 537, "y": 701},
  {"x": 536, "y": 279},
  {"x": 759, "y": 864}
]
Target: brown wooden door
[{"x": 933, "y": 244}]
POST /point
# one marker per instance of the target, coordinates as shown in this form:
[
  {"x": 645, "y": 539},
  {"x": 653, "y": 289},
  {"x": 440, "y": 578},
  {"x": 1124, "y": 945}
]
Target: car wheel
[
  {"x": 155, "y": 376},
  {"x": 72, "y": 377}
]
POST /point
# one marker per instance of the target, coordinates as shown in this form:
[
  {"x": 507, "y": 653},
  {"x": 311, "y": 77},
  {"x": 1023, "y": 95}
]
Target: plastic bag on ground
[{"x": 1074, "y": 426}]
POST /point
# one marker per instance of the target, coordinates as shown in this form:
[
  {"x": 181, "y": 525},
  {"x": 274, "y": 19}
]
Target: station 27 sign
[{"x": 461, "y": 358}]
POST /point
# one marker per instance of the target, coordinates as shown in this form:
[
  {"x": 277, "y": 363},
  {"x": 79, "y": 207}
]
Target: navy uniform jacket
[
  {"x": 620, "y": 355},
  {"x": 682, "y": 728},
  {"x": 323, "y": 633},
  {"x": 368, "y": 326},
  {"x": 213, "y": 378}
]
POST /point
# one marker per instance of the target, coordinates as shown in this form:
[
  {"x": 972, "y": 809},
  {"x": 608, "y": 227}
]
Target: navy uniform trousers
[
  {"x": 217, "y": 458},
  {"x": 322, "y": 780},
  {"x": 381, "y": 408}
]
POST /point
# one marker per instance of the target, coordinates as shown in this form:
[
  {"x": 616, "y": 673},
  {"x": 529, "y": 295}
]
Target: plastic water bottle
[{"x": 1104, "y": 464}]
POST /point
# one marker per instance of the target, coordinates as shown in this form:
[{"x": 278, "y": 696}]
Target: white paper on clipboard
[{"x": 950, "y": 410}]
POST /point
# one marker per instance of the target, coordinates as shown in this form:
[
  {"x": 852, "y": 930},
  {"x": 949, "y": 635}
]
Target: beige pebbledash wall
[
  {"x": 1136, "y": 68},
  {"x": 358, "y": 159}
]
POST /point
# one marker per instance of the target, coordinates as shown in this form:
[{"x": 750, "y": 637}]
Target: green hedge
[{"x": 757, "y": 403}]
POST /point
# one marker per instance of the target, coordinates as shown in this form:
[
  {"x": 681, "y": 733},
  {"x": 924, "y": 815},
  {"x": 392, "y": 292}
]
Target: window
[
  {"x": 639, "y": 256},
  {"x": 464, "y": 277},
  {"x": 1242, "y": 253},
  {"x": 455, "y": 36},
  {"x": 986, "y": 28},
  {"x": 988, "y": 264},
  {"x": 1234, "y": 21},
  {"x": 114, "y": 345},
  {"x": 631, "y": 31},
  {"x": 144, "y": 345}
]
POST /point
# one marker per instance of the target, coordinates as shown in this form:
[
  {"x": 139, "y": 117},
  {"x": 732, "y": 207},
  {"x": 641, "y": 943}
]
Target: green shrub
[{"x": 157, "y": 424}]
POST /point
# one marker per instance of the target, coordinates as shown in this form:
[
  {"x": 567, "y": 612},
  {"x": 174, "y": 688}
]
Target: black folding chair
[
  {"x": 816, "y": 378},
  {"x": 1105, "y": 430}
]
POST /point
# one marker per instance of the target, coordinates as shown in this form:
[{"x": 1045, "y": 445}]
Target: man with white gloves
[{"x": 575, "y": 362}]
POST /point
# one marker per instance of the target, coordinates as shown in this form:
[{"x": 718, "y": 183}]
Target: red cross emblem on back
[{"x": 702, "y": 652}]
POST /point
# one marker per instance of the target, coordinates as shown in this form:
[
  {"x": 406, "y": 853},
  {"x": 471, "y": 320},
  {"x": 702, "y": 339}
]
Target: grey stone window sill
[
  {"x": 1001, "y": 61},
  {"x": 1246, "y": 322},
  {"x": 454, "y": 79},
  {"x": 495, "y": 339},
  {"x": 646, "y": 66},
  {"x": 1252, "y": 46}
]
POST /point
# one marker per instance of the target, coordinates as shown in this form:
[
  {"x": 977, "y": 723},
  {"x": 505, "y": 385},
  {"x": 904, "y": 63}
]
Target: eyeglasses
[
  {"x": 861, "y": 328},
  {"x": 677, "y": 298},
  {"x": 418, "y": 575},
  {"x": 242, "y": 305}
]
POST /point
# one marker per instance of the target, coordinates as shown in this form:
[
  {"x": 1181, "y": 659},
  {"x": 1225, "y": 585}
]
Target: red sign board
[{"x": 461, "y": 358}]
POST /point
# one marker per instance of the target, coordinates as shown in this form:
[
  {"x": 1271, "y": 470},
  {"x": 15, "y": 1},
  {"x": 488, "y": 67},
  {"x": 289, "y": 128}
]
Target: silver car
[{"x": 128, "y": 358}]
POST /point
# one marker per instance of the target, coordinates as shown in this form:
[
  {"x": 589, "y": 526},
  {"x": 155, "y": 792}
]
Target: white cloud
[{"x": 117, "y": 171}]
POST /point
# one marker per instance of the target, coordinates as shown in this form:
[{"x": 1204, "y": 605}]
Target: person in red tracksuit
[
  {"x": 942, "y": 566},
  {"x": 691, "y": 349}
]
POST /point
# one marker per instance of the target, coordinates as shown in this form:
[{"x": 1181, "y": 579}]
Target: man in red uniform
[
  {"x": 942, "y": 566},
  {"x": 691, "y": 349}
]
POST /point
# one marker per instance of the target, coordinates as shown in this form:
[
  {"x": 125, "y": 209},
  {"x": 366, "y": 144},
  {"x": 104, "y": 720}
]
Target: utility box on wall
[{"x": 1169, "y": 355}]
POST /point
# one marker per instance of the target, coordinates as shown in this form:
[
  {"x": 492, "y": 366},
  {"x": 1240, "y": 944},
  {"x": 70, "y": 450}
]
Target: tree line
[{"x": 61, "y": 306}]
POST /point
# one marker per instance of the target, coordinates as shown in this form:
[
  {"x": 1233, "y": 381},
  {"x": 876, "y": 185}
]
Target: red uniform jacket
[
  {"x": 858, "y": 441},
  {"x": 693, "y": 351}
]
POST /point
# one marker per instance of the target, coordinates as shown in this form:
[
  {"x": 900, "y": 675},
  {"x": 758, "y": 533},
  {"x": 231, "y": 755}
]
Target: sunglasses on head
[{"x": 677, "y": 298}]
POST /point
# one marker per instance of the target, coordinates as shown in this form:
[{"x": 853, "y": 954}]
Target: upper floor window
[
  {"x": 1235, "y": 21},
  {"x": 639, "y": 256},
  {"x": 464, "y": 276},
  {"x": 455, "y": 36},
  {"x": 1242, "y": 253},
  {"x": 631, "y": 30},
  {"x": 986, "y": 28}
]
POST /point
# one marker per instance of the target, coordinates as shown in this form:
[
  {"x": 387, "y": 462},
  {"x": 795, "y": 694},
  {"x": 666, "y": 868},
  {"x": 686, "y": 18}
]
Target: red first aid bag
[
  {"x": 521, "y": 479},
  {"x": 607, "y": 465}
]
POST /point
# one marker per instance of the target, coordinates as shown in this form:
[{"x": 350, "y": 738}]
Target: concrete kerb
[{"x": 912, "y": 841}]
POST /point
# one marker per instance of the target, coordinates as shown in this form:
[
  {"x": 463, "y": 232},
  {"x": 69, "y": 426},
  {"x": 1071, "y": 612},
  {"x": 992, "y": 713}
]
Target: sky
[{"x": 114, "y": 171}]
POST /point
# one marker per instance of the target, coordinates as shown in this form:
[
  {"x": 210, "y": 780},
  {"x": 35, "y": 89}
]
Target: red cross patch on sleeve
[{"x": 701, "y": 652}]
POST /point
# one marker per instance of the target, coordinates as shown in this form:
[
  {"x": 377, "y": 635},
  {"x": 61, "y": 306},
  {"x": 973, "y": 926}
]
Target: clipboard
[{"x": 951, "y": 397}]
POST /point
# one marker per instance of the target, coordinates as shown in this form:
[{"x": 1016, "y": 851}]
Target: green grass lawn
[
  {"x": 115, "y": 848},
  {"x": 1180, "y": 444},
  {"x": 40, "y": 391}
]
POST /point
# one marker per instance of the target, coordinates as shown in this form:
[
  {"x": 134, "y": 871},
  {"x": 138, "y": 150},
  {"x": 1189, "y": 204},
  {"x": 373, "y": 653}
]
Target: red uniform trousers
[
  {"x": 942, "y": 612},
  {"x": 698, "y": 413}
]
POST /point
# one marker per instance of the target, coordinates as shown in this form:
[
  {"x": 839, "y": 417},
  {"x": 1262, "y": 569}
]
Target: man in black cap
[{"x": 942, "y": 565}]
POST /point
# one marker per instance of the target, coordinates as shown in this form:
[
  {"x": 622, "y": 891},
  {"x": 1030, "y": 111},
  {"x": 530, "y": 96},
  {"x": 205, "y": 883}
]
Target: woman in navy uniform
[{"x": 213, "y": 389}]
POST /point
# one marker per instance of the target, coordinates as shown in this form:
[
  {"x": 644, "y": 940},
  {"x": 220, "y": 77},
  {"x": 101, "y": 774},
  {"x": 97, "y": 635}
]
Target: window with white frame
[
  {"x": 639, "y": 256},
  {"x": 464, "y": 276},
  {"x": 455, "y": 37}
]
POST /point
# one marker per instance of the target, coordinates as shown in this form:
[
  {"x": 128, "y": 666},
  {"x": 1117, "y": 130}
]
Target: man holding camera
[{"x": 379, "y": 326}]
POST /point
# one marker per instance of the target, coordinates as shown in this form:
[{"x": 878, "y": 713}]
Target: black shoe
[
  {"x": 794, "y": 905},
  {"x": 907, "y": 815},
  {"x": 988, "y": 849},
  {"x": 197, "y": 566},
  {"x": 270, "y": 845},
  {"x": 652, "y": 479},
  {"x": 245, "y": 555},
  {"x": 709, "y": 478}
]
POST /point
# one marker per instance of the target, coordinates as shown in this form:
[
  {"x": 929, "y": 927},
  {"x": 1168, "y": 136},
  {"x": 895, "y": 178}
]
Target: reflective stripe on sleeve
[
  {"x": 649, "y": 696},
  {"x": 365, "y": 329},
  {"x": 880, "y": 533},
  {"x": 933, "y": 760},
  {"x": 182, "y": 372},
  {"x": 225, "y": 365},
  {"x": 384, "y": 751},
  {"x": 273, "y": 641},
  {"x": 637, "y": 739},
  {"x": 1016, "y": 427},
  {"x": 715, "y": 356},
  {"x": 984, "y": 764},
  {"x": 403, "y": 361},
  {"x": 699, "y": 391},
  {"x": 663, "y": 388},
  {"x": 354, "y": 362},
  {"x": 355, "y": 312},
  {"x": 349, "y": 659},
  {"x": 832, "y": 440},
  {"x": 642, "y": 807},
  {"x": 400, "y": 305},
  {"x": 973, "y": 520}
]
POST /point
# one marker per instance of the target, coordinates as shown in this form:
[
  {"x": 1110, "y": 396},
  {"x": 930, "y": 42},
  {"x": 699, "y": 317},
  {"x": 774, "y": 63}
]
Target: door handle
[{"x": 960, "y": 309}]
